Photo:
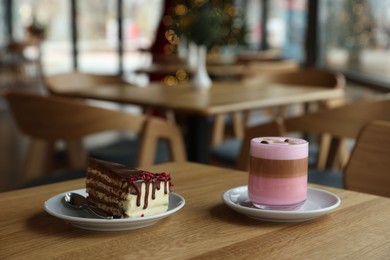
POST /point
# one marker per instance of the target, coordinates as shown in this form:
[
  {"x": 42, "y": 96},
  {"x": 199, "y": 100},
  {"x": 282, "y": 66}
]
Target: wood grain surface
[{"x": 205, "y": 228}]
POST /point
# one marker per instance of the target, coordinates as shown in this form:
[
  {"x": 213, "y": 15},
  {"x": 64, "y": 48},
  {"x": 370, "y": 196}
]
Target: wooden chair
[
  {"x": 368, "y": 169},
  {"x": 337, "y": 124},
  {"x": 77, "y": 80},
  {"x": 267, "y": 72},
  {"x": 81, "y": 80},
  {"x": 303, "y": 77},
  {"x": 254, "y": 71},
  {"x": 48, "y": 119},
  {"x": 269, "y": 67}
]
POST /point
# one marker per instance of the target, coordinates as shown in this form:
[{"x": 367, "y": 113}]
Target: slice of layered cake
[{"x": 125, "y": 192}]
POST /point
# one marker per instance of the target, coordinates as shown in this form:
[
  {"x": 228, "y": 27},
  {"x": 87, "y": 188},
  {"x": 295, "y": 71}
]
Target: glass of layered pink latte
[{"x": 278, "y": 172}]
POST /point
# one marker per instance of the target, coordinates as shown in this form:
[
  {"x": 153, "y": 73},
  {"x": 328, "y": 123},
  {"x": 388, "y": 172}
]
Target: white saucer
[
  {"x": 55, "y": 206},
  {"x": 318, "y": 203}
]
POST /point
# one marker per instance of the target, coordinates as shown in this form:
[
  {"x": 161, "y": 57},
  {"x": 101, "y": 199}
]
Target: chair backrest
[
  {"x": 46, "y": 119},
  {"x": 298, "y": 76},
  {"x": 309, "y": 77},
  {"x": 77, "y": 80},
  {"x": 256, "y": 72},
  {"x": 259, "y": 70},
  {"x": 368, "y": 169},
  {"x": 344, "y": 121},
  {"x": 289, "y": 74}
]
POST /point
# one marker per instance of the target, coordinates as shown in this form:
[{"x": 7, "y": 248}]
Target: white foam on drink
[{"x": 279, "y": 148}]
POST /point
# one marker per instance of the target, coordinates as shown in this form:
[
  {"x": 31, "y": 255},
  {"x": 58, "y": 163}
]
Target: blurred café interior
[{"x": 56, "y": 48}]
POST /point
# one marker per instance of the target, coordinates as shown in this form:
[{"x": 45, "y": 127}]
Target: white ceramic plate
[
  {"x": 318, "y": 203},
  {"x": 56, "y": 206}
]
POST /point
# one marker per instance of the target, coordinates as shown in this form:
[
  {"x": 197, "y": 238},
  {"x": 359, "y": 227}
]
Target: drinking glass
[{"x": 278, "y": 172}]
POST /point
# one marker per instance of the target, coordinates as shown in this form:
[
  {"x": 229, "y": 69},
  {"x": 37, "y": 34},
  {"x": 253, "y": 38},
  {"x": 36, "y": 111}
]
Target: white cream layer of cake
[{"x": 155, "y": 206}]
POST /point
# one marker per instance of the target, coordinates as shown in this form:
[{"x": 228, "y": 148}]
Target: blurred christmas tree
[
  {"x": 353, "y": 29},
  {"x": 212, "y": 23}
]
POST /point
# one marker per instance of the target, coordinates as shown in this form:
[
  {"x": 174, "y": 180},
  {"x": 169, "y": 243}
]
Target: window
[
  {"x": 54, "y": 18},
  {"x": 355, "y": 38},
  {"x": 97, "y": 36},
  {"x": 140, "y": 23},
  {"x": 353, "y": 35},
  {"x": 3, "y": 32},
  {"x": 287, "y": 26}
]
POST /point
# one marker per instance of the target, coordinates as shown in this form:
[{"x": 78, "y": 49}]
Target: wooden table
[
  {"x": 204, "y": 228},
  {"x": 222, "y": 97}
]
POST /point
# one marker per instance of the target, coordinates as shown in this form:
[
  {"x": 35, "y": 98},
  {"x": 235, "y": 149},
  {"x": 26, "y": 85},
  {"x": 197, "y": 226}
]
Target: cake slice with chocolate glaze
[{"x": 124, "y": 192}]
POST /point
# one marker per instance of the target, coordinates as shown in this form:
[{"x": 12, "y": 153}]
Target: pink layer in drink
[{"x": 278, "y": 172}]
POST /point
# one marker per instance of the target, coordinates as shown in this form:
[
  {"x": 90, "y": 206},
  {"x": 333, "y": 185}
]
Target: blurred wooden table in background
[{"x": 198, "y": 105}]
